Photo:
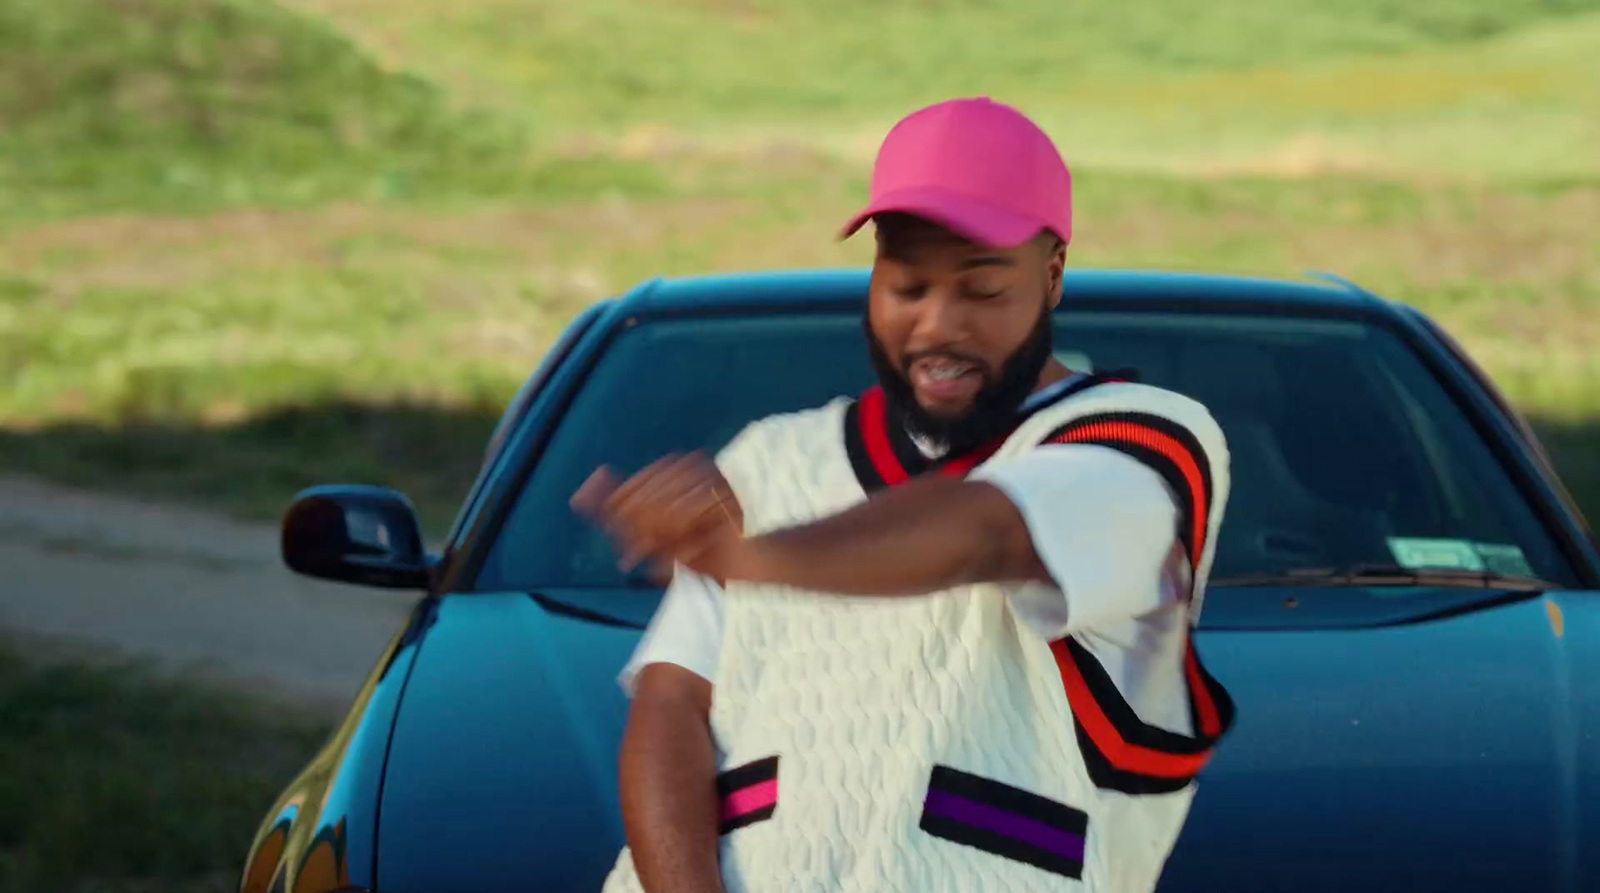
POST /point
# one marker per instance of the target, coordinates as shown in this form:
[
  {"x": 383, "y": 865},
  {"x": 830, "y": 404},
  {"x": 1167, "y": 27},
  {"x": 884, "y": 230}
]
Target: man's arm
[
  {"x": 668, "y": 779},
  {"x": 916, "y": 538},
  {"x": 920, "y": 537}
]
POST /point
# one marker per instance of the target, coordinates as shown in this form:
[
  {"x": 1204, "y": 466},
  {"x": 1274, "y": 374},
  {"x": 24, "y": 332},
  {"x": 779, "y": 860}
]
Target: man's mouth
[{"x": 945, "y": 380}]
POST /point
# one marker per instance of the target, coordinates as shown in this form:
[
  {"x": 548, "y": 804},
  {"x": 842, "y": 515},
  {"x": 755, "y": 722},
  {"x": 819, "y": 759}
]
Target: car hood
[
  {"x": 1448, "y": 751},
  {"x": 502, "y": 771}
]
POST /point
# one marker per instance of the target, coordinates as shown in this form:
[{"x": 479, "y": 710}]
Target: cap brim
[{"x": 972, "y": 219}]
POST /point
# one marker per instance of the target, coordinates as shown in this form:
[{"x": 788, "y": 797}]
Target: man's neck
[
  {"x": 1054, "y": 371},
  {"x": 1052, "y": 376}
]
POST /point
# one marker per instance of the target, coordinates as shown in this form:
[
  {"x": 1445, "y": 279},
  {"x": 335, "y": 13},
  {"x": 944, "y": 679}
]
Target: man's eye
[
  {"x": 910, "y": 290},
  {"x": 984, "y": 294}
]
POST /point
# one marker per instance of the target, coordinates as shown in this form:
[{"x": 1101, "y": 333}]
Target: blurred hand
[{"x": 679, "y": 509}]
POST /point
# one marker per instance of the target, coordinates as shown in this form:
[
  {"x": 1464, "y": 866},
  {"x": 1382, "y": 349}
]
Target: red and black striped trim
[
  {"x": 883, "y": 455},
  {"x": 1120, "y": 751},
  {"x": 869, "y": 439},
  {"x": 1165, "y": 446}
]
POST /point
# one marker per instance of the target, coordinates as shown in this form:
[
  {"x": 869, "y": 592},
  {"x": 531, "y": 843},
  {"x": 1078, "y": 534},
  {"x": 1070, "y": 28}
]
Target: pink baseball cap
[{"x": 977, "y": 167}]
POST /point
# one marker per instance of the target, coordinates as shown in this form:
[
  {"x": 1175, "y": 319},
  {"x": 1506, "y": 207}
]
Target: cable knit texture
[{"x": 860, "y": 698}]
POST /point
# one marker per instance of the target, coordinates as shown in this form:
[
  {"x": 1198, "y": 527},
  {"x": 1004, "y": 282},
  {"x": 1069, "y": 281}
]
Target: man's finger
[
  {"x": 640, "y": 479},
  {"x": 651, "y": 491},
  {"x": 697, "y": 500},
  {"x": 641, "y": 509},
  {"x": 701, "y": 502},
  {"x": 670, "y": 538},
  {"x": 595, "y": 492}
]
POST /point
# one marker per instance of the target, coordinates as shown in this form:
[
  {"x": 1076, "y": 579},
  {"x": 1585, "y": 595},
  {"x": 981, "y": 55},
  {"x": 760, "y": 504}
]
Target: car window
[{"x": 1344, "y": 449}]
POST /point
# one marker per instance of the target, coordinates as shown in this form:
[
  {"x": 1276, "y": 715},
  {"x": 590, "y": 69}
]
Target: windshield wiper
[
  {"x": 563, "y": 609},
  {"x": 1390, "y": 575}
]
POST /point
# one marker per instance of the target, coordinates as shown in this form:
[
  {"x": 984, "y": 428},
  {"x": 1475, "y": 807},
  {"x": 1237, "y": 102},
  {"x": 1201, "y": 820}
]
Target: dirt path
[{"x": 196, "y": 592}]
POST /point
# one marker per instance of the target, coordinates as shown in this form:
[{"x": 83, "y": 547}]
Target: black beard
[{"x": 994, "y": 410}]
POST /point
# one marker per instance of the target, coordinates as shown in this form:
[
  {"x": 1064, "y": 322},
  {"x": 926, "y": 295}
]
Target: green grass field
[
  {"x": 116, "y": 780},
  {"x": 246, "y": 246}
]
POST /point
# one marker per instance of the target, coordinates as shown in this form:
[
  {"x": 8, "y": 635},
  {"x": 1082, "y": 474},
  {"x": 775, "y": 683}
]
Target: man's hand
[{"x": 679, "y": 509}]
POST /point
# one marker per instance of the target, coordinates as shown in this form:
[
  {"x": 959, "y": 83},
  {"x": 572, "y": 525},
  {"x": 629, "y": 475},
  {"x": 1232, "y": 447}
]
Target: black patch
[
  {"x": 1008, "y": 798},
  {"x": 1000, "y": 845},
  {"x": 1012, "y": 800},
  {"x": 749, "y": 818},
  {"x": 740, "y": 777}
]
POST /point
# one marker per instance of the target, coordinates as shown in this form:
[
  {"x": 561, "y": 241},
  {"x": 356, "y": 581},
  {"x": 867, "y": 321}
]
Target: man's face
[{"x": 959, "y": 332}]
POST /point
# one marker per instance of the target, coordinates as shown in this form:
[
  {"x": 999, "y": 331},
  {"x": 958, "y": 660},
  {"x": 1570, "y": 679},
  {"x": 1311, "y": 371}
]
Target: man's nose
[{"x": 941, "y": 320}]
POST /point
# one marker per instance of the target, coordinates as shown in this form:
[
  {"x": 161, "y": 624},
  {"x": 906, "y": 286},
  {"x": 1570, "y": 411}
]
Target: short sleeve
[
  {"x": 1103, "y": 524},
  {"x": 686, "y": 630}
]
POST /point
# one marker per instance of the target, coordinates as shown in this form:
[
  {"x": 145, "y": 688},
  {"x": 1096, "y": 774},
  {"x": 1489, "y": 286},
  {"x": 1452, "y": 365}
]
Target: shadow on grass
[{"x": 254, "y": 467}]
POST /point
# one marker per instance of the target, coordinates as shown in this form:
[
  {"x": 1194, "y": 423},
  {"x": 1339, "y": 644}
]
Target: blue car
[{"x": 1405, "y": 602}]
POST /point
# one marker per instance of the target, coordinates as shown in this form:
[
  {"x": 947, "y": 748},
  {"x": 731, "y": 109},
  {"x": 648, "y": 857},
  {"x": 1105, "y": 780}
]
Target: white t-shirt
[{"x": 1103, "y": 524}]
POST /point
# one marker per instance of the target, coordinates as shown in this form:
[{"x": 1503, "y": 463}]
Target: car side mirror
[{"x": 355, "y": 534}]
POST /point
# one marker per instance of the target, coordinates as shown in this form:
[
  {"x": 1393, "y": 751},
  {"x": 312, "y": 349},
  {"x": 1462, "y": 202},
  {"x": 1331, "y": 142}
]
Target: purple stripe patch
[{"x": 1003, "y": 822}]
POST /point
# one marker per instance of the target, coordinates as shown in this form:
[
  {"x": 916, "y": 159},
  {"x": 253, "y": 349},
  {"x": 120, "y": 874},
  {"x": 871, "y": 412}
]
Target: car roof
[{"x": 844, "y": 289}]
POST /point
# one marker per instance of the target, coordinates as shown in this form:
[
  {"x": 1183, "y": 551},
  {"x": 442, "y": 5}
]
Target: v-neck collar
[{"x": 883, "y": 454}]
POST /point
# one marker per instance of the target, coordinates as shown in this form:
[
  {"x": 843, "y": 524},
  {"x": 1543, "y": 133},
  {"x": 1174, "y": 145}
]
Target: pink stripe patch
[{"x": 750, "y": 799}]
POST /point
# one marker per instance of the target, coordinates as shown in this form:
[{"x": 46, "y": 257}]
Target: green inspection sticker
[
  {"x": 1505, "y": 559},
  {"x": 1422, "y": 553},
  {"x": 1500, "y": 558}
]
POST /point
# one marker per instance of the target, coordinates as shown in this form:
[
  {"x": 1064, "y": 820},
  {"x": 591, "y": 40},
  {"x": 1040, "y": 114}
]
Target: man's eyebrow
[
  {"x": 987, "y": 260},
  {"x": 893, "y": 251}
]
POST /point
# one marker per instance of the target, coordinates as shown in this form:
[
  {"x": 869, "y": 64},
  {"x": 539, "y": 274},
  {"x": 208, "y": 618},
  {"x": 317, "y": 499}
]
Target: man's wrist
[{"x": 757, "y": 560}]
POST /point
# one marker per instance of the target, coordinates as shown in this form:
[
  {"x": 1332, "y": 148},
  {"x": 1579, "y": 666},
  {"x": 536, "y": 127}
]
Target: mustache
[{"x": 991, "y": 413}]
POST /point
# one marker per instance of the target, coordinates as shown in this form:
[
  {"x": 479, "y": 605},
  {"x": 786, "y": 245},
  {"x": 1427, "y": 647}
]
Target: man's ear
[{"x": 1056, "y": 271}]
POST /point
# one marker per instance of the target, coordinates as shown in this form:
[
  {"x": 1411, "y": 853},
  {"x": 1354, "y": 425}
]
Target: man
[{"x": 937, "y": 637}]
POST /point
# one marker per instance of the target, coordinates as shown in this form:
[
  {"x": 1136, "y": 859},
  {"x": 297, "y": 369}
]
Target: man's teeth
[{"x": 945, "y": 373}]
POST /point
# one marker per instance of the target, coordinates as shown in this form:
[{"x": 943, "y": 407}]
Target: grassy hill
[
  {"x": 247, "y": 245},
  {"x": 621, "y": 61},
  {"x": 1165, "y": 85},
  {"x": 190, "y": 104}
]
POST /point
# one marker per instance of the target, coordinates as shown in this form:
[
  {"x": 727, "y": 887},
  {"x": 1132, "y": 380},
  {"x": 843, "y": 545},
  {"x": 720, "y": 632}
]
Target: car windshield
[{"x": 1345, "y": 450}]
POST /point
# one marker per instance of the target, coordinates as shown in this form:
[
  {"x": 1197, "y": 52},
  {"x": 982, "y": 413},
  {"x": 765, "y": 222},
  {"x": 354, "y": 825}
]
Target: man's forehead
[{"x": 913, "y": 240}]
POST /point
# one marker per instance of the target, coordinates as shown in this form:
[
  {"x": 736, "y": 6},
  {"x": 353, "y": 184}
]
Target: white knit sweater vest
[{"x": 929, "y": 743}]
